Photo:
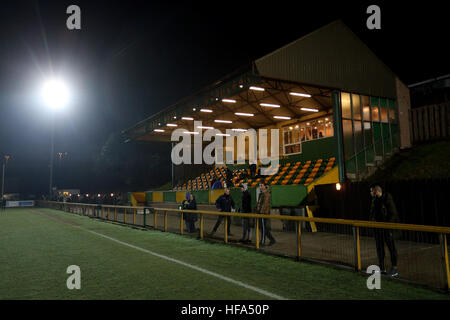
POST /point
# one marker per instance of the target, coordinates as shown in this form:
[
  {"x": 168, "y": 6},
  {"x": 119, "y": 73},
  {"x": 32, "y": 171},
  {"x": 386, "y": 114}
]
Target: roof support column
[{"x": 337, "y": 123}]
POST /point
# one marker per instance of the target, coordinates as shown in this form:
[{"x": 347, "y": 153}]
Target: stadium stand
[{"x": 288, "y": 174}]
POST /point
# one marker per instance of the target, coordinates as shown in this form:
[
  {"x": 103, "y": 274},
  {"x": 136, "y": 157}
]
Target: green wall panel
[
  {"x": 391, "y": 104},
  {"x": 288, "y": 196},
  {"x": 350, "y": 165},
  {"x": 373, "y": 101},
  {"x": 361, "y": 162},
  {"x": 377, "y": 139},
  {"x": 169, "y": 196},
  {"x": 148, "y": 197},
  {"x": 370, "y": 155},
  {"x": 201, "y": 196}
]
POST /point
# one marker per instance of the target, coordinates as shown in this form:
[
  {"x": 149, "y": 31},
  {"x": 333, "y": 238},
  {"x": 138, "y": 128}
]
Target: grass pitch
[{"x": 118, "y": 262}]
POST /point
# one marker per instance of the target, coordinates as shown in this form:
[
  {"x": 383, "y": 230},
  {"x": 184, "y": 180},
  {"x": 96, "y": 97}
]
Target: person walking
[
  {"x": 246, "y": 207},
  {"x": 383, "y": 209},
  {"x": 263, "y": 207},
  {"x": 224, "y": 203}
]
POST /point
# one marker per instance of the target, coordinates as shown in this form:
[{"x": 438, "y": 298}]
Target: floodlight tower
[{"x": 56, "y": 97}]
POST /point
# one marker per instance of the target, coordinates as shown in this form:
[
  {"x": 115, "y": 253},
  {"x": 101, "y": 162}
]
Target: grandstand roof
[{"x": 329, "y": 58}]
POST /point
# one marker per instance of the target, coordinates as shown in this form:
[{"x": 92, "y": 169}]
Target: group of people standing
[
  {"x": 382, "y": 209},
  {"x": 225, "y": 203}
]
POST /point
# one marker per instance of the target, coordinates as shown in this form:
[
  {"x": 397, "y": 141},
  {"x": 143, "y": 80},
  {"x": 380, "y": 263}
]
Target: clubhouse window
[{"x": 295, "y": 134}]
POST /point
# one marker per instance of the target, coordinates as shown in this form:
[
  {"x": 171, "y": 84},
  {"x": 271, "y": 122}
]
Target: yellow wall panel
[
  {"x": 158, "y": 196},
  {"x": 214, "y": 194}
]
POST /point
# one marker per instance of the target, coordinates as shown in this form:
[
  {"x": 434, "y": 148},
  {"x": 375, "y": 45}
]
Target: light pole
[
  {"x": 5, "y": 162},
  {"x": 52, "y": 151},
  {"x": 55, "y": 96}
]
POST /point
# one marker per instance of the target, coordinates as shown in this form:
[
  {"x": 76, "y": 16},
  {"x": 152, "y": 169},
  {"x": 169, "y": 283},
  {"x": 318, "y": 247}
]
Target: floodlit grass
[
  {"x": 36, "y": 249},
  {"x": 426, "y": 161}
]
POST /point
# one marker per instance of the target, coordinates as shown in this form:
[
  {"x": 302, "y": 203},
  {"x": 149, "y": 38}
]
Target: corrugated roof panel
[{"x": 332, "y": 56}]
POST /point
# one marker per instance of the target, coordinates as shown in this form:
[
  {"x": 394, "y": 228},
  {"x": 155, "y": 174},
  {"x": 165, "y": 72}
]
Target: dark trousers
[
  {"x": 190, "y": 226},
  {"x": 219, "y": 221},
  {"x": 190, "y": 219},
  {"x": 383, "y": 236},
  {"x": 265, "y": 231},
  {"x": 245, "y": 228}
]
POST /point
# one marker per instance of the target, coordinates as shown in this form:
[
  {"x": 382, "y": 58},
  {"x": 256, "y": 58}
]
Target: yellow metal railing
[{"x": 90, "y": 209}]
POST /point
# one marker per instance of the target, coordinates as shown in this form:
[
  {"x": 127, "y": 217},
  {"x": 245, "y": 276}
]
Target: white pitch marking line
[{"x": 239, "y": 283}]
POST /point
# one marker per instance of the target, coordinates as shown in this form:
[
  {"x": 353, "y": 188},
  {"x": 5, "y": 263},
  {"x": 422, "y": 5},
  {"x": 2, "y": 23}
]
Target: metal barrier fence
[{"x": 422, "y": 251}]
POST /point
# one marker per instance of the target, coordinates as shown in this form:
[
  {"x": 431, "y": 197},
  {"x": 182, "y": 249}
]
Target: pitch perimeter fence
[{"x": 421, "y": 259}]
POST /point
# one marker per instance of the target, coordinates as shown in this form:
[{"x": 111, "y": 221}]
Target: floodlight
[{"x": 55, "y": 94}]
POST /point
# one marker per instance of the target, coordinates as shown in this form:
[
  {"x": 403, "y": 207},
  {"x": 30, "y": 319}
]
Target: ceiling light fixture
[
  {"x": 269, "y": 105},
  {"x": 300, "y": 94},
  {"x": 309, "y": 109},
  {"x": 244, "y": 114},
  {"x": 256, "y": 88},
  {"x": 282, "y": 117}
]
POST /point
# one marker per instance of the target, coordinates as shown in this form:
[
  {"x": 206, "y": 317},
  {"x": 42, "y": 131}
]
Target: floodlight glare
[{"x": 55, "y": 93}]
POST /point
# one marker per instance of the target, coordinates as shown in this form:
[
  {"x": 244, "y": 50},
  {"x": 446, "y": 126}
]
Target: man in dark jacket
[
  {"x": 382, "y": 209},
  {"x": 191, "y": 217},
  {"x": 224, "y": 203},
  {"x": 246, "y": 207}
]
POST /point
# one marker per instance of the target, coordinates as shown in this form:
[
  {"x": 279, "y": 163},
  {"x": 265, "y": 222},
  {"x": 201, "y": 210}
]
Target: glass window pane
[
  {"x": 367, "y": 133},
  {"x": 295, "y": 133},
  {"x": 391, "y": 104},
  {"x": 356, "y": 107},
  {"x": 286, "y": 137},
  {"x": 345, "y": 104},
  {"x": 366, "y": 107},
  {"x": 321, "y": 129},
  {"x": 348, "y": 139},
  {"x": 314, "y": 132},
  {"x": 384, "y": 115},
  {"x": 368, "y": 140},
  {"x": 392, "y": 118},
  {"x": 358, "y": 136},
  {"x": 375, "y": 114},
  {"x": 302, "y": 134},
  {"x": 328, "y": 132},
  {"x": 329, "y": 126},
  {"x": 308, "y": 133}
]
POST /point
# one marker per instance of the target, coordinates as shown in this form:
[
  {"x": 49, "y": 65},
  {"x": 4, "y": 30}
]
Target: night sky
[{"x": 134, "y": 58}]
